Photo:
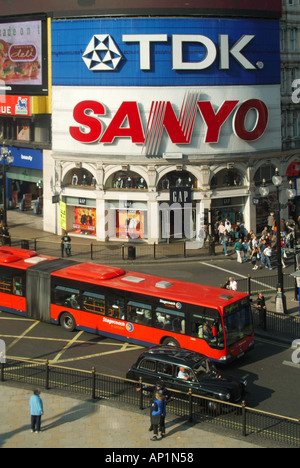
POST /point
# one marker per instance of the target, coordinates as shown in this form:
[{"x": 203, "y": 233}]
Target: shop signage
[
  {"x": 102, "y": 54},
  {"x": 180, "y": 195},
  {"x": 158, "y": 120},
  {"x": 15, "y": 105},
  {"x": 165, "y": 52},
  {"x": 163, "y": 115}
]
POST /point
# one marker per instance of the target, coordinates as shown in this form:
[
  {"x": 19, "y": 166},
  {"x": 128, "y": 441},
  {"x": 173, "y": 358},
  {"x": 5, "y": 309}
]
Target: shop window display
[
  {"x": 80, "y": 178},
  {"x": 227, "y": 178},
  {"x": 126, "y": 180},
  {"x": 85, "y": 221},
  {"x": 177, "y": 179}
]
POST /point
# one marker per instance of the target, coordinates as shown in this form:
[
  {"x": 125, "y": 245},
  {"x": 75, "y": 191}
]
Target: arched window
[
  {"x": 227, "y": 178},
  {"x": 80, "y": 178},
  {"x": 126, "y": 180},
  {"x": 266, "y": 171},
  {"x": 178, "y": 179}
]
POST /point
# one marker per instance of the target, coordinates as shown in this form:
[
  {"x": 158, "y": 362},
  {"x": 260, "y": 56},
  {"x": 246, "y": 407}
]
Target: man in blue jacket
[
  {"x": 36, "y": 411},
  {"x": 158, "y": 414}
]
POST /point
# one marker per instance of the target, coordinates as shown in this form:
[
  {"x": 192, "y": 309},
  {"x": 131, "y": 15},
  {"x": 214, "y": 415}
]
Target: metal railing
[{"x": 239, "y": 418}]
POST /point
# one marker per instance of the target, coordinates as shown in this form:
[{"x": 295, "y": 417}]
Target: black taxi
[{"x": 181, "y": 369}]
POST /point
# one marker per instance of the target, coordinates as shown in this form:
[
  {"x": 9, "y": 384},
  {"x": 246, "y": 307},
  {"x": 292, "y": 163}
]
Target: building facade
[
  {"x": 156, "y": 125},
  {"x": 167, "y": 119}
]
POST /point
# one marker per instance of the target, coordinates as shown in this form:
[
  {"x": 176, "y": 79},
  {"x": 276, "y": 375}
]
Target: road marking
[
  {"x": 67, "y": 346},
  {"x": 91, "y": 356},
  {"x": 291, "y": 364},
  {"x": 223, "y": 269},
  {"x": 237, "y": 274},
  {"x": 22, "y": 336}
]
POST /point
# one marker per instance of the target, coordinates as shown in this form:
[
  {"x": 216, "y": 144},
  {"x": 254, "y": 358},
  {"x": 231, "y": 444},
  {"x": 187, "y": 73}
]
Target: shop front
[
  {"x": 78, "y": 215},
  {"x": 25, "y": 178},
  {"x": 127, "y": 220}
]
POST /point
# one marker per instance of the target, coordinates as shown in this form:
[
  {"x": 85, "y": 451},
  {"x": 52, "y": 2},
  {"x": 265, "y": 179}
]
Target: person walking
[
  {"x": 254, "y": 257},
  {"x": 238, "y": 248},
  {"x": 268, "y": 254},
  {"x": 158, "y": 415},
  {"x": 36, "y": 411},
  {"x": 224, "y": 241}
]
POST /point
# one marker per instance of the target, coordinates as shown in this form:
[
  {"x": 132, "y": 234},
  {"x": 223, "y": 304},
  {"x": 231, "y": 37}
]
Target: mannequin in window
[
  {"x": 165, "y": 184},
  {"x": 119, "y": 183},
  {"x": 141, "y": 183},
  {"x": 75, "y": 179},
  {"x": 129, "y": 183},
  {"x": 179, "y": 182},
  {"x": 84, "y": 181}
]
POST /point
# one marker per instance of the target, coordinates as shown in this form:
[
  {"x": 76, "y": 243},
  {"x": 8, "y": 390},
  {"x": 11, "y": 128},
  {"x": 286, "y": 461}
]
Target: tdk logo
[{"x": 102, "y": 53}]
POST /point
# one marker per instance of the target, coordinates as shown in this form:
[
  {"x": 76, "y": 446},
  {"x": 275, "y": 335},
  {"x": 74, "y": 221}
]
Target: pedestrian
[
  {"x": 158, "y": 415},
  {"x": 232, "y": 284},
  {"x": 36, "y": 411},
  {"x": 66, "y": 244},
  {"x": 262, "y": 311},
  {"x": 238, "y": 248},
  {"x": 224, "y": 241},
  {"x": 254, "y": 257},
  {"x": 268, "y": 254}
]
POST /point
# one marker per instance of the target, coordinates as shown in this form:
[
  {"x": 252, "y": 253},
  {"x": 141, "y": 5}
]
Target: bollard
[{"x": 93, "y": 383}]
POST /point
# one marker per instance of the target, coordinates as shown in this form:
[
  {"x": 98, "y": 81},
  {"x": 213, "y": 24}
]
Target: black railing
[{"x": 239, "y": 418}]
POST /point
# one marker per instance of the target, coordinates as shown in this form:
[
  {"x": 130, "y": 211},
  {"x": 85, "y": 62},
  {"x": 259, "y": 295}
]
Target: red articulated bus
[{"x": 133, "y": 307}]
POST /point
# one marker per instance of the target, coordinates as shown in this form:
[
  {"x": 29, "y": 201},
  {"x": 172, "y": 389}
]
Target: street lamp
[
  {"x": 6, "y": 159},
  {"x": 280, "y": 301}
]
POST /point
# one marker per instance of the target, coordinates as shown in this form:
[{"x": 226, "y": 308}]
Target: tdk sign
[
  {"x": 165, "y": 52},
  {"x": 102, "y": 53}
]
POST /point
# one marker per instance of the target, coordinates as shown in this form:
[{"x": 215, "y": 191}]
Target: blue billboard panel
[{"x": 165, "y": 52}]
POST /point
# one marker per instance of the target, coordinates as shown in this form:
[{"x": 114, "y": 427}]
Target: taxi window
[
  {"x": 165, "y": 368},
  {"x": 148, "y": 364}
]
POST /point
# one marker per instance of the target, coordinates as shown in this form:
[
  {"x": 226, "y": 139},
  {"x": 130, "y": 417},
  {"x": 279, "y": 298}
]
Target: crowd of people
[{"x": 254, "y": 247}]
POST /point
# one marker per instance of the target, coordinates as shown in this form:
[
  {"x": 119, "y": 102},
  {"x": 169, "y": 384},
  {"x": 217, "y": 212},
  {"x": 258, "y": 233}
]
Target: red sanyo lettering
[
  {"x": 127, "y": 122},
  {"x": 82, "y": 115}
]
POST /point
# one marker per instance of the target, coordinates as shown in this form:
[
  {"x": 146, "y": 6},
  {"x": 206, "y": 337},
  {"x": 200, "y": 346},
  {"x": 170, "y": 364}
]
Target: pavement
[
  {"x": 71, "y": 422},
  {"x": 77, "y": 422}
]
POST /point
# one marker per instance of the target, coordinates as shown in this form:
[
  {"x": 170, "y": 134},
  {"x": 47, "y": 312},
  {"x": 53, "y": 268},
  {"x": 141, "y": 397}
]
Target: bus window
[
  {"x": 207, "y": 326},
  {"x": 94, "y": 303},
  {"x": 18, "y": 286},
  {"x": 139, "y": 313},
  {"x": 115, "y": 306},
  {"x": 172, "y": 320},
  {"x": 67, "y": 297},
  {"x": 5, "y": 284}
]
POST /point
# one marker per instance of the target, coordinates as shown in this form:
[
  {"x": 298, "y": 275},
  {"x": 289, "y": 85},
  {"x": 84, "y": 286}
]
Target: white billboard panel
[{"x": 152, "y": 121}]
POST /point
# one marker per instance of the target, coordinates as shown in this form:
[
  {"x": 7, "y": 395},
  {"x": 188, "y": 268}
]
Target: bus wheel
[
  {"x": 67, "y": 322},
  {"x": 170, "y": 342}
]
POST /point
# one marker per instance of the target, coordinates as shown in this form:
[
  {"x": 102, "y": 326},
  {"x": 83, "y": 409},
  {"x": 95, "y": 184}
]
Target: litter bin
[
  {"x": 25, "y": 244},
  {"x": 131, "y": 253}
]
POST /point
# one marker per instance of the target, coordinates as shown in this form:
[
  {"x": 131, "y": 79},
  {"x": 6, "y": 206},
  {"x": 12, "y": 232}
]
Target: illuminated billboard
[
  {"x": 23, "y": 57},
  {"x": 165, "y": 52}
]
